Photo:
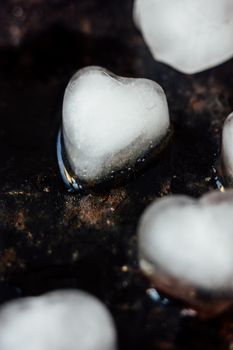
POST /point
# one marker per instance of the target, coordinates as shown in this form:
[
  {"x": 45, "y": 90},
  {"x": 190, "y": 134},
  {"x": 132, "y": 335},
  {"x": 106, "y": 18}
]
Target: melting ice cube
[
  {"x": 109, "y": 123},
  {"x": 186, "y": 249}
]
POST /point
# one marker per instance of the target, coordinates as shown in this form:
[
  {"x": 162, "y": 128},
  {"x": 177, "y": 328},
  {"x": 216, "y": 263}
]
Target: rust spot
[
  {"x": 100, "y": 210},
  {"x": 211, "y": 97},
  {"x": 165, "y": 345},
  {"x": 20, "y": 220},
  {"x": 199, "y": 89},
  {"x": 226, "y": 331},
  {"x": 93, "y": 210},
  {"x": 86, "y": 26},
  {"x": 197, "y": 105},
  {"x": 71, "y": 212},
  {"x": 7, "y": 259}
]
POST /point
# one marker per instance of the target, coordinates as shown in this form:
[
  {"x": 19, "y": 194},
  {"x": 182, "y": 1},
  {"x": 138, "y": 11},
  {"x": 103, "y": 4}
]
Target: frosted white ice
[
  {"x": 189, "y": 35},
  {"x": 110, "y": 121},
  {"x": 190, "y": 240},
  {"x": 227, "y": 146},
  {"x": 62, "y": 320}
]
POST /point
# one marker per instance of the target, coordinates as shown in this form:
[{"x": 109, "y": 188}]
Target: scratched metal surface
[{"x": 51, "y": 239}]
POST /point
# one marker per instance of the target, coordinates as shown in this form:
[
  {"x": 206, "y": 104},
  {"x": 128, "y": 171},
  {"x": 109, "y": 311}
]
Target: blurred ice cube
[
  {"x": 227, "y": 147},
  {"x": 189, "y": 35},
  {"x": 61, "y": 320},
  {"x": 186, "y": 249}
]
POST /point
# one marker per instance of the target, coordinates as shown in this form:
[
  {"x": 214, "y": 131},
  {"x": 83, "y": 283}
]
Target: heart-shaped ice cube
[
  {"x": 227, "y": 147},
  {"x": 68, "y": 320},
  {"x": 186, "y": 248},
  {"x": 110, "y": 122},
  {"x": 189, "y": 35}
]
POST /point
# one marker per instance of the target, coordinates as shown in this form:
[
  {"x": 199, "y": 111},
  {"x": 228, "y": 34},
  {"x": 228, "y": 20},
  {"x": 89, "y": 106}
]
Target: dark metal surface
[{"x": 51, "y": 239}]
